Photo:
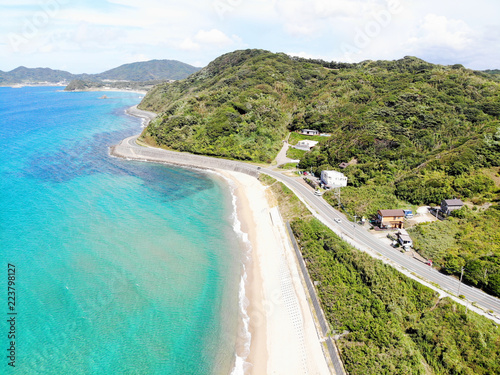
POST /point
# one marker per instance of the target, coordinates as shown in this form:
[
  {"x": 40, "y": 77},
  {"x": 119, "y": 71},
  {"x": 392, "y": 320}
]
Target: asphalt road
[{"x": 361, "y": 236}]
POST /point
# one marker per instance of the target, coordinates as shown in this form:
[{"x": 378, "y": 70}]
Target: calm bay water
[{"x": 121, "y": 267}]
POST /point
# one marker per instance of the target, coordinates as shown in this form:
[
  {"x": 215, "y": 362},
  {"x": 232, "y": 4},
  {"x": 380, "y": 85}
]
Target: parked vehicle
[{"x": 408, "y": 214}]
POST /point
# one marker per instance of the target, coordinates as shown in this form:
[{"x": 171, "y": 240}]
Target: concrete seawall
[
  {"x": 128, "y": 149},
  {"x": 136, "y": 112}
]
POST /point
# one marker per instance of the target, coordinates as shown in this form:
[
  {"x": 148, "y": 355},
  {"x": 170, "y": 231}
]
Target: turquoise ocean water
[{"x": 122, "y": 267}]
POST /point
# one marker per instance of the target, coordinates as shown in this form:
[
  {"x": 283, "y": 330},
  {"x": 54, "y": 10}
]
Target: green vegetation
[
  {"x": 236, "y": 107},
  {"x": 386, "y": 322},
  {"x": 366, "y": 200},
  {"x": 414, "y": 133},
  {"x": 295, "y": 154},
  {"x": 417, "y": 127},
  {"x": 296, "y": 137},
  {"x": 267, "y": 180},
  {"x": 288, "y": 166},
  {"x": 495, "y": 73},
  {"x": 468, "y": 239}
]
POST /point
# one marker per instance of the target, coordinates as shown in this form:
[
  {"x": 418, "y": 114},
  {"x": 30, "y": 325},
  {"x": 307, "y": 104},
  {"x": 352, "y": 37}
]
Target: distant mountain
[
  {"x": 22, "y": 75},
  {"x": 141, "y": 71},
  {"x": 150, "y": 71}
]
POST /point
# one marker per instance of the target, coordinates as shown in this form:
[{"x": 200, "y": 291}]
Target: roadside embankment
[{"x": 128, "y": 149}]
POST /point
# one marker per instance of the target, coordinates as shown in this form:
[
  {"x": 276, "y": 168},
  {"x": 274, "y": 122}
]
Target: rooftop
[
  {"x": 454, "y": 202},
  {"x": 392, "y": 213}
]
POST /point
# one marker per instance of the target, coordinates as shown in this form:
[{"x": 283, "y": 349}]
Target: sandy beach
[{"x": 284, "y": 336}]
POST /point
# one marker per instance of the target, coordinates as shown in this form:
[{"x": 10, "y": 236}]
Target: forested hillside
[
  {"x": 391, "y": 116},
  {"x": 414, "y": 133},
  {"x": 237, "y": 107}
]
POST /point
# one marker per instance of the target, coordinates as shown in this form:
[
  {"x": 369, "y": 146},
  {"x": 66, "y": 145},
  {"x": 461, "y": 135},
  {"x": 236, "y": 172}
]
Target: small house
[
  {"x": 309, "y": 132},
  {"x": 333, "y": 179},
  {"x": 390, "y": 218},
  {"x": 306, "y": 144},
  {"x": 449, "y": 205}
]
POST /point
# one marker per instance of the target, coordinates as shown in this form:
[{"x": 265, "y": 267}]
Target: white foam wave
[{"x": 240, "y": 363}]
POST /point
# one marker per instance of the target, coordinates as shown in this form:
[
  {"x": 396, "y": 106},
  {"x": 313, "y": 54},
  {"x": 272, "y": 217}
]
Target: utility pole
[{"x": 460, "y": 284}]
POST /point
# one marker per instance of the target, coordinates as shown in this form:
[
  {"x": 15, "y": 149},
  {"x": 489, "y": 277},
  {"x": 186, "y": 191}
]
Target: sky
[{"x": 91, "y": 36}]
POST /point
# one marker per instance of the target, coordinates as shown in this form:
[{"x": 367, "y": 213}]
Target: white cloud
[
  {"x": 209, "y": 39},
  {"x": 338, "y": 8},
  {"x": 312, "y": 18},
  {"x": 80, "y": 32},
  {"x": 439, "y": 31},
  {"x": 214, "y": 36},
  {"x": 188, "y": 45}
]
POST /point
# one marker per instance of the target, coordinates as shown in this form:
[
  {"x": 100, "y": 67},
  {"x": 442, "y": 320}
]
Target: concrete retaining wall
[
  {"x": 179, "y": 158},
  {"x": 332, "y": 347}
]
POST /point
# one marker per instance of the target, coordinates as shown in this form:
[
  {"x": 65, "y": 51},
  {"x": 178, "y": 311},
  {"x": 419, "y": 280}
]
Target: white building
[
  {"x": 309, "y": 132},
  {"x": 333, "y": 179},
  {"x": 306, "y": 144}
]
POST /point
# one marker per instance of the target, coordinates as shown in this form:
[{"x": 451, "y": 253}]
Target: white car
[
  {"x": 317, "y": 193},
  {"x": 337, "y": 220}
]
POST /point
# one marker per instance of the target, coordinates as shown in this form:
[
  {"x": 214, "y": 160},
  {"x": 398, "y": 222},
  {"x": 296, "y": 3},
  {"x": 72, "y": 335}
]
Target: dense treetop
[{"x": 388, "y": 115}]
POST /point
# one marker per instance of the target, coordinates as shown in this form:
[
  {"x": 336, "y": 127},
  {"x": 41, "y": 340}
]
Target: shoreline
[
  {"x": 101, "y": 89},
  {"x": 283, "y": 335},
  {"x": 92, "y": 89},
  {"x": 146, "y": 116},
  {"x": 255, "y": 360}
]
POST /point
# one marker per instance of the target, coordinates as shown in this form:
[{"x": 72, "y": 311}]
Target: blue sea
[{"x": 121, "y": 267}]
